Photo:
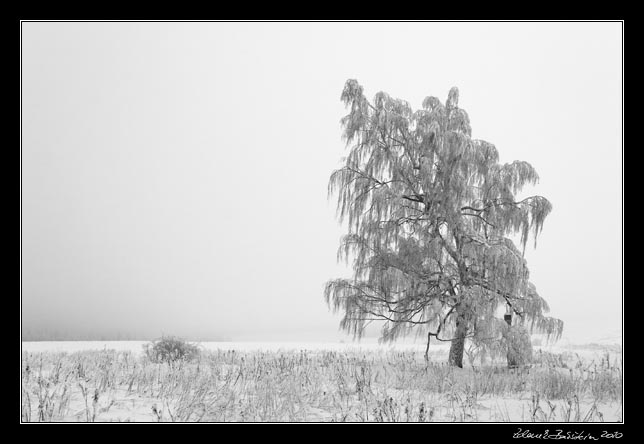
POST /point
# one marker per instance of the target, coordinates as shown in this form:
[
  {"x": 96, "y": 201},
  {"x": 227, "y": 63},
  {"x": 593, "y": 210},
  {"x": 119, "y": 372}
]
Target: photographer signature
[{"x": 560, "y": 434}]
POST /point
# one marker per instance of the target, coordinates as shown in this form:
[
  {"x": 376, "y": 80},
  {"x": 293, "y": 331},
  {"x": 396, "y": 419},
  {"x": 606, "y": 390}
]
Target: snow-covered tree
[{"x": 431, "y": 213}]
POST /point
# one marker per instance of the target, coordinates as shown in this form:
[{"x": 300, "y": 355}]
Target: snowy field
[
  {"x": 316, "y": 382},
  {"x": 588, "y": 347}
]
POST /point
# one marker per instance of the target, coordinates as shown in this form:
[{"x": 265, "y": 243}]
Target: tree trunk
[
  {"x": 458, "y": 344},
  {"x": 512, "y": 362},
  {"x": 511, "y": 354}
]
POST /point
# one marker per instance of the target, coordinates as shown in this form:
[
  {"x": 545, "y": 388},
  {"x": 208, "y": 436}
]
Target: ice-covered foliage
[{"x": 431, "y": 213}]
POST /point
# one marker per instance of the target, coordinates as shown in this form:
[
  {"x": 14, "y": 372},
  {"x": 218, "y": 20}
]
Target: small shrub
[{"x": 170, "y": 349}]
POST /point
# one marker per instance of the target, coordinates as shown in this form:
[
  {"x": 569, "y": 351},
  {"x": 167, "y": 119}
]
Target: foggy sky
[{"x": 174, "y": 175}]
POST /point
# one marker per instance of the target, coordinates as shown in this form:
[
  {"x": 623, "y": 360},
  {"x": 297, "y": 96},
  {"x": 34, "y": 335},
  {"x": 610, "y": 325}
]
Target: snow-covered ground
[
  {"x": 308, "y": 385},
  {"x": 369, "y": 344}
]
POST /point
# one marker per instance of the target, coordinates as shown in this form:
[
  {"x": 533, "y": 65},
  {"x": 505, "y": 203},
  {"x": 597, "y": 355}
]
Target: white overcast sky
[{"x": 174, "y": 175}]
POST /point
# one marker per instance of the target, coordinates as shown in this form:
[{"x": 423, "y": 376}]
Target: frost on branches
[{"x": 430, "y": 214}]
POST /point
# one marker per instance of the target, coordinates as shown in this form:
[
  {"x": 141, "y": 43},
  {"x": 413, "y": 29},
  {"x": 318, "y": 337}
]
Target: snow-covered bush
[{"x": 170, "y": 349}]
